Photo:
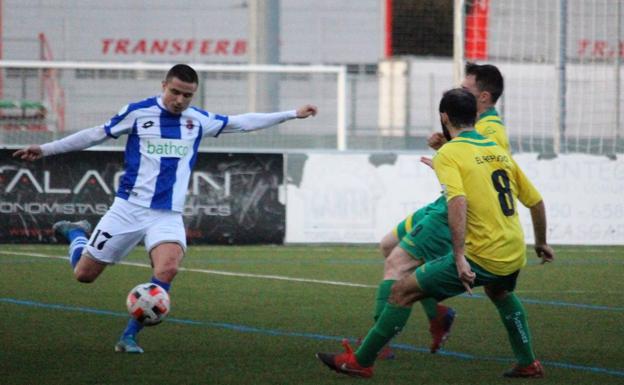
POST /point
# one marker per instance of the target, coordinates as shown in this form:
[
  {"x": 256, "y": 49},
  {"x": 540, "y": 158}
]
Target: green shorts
[
  {"x": 438, "y": 278},
  {"x": 425, "y": 234}
]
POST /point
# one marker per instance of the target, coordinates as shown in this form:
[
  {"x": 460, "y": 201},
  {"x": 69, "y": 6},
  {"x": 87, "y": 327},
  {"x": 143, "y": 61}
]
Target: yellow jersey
[
  {"x": 491, "y": 126},
  {"x": 475, "y": 167}
]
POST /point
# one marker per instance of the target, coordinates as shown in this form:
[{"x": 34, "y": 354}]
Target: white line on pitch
[
  {"x": 215, "y": 272},
  {"x": 274, "y": 277}
]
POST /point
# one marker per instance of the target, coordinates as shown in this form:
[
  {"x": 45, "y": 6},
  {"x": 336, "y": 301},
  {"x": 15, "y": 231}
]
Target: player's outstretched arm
[
  {"x": 74, "y": 142},
  {"x": 538, "y": 217},
  {"x": 306, "y": 111},
  {"x": 253, "y": 121},
  {"x": 30, "y": 153}
]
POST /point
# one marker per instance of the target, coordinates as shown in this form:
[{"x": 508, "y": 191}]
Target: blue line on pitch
[
  {"x": 273, "y": 332},
  {"x": 555, "y": 303}
]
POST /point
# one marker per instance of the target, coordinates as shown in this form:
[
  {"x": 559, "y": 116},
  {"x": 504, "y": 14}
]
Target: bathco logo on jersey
[{"x": 173, "y": 148}]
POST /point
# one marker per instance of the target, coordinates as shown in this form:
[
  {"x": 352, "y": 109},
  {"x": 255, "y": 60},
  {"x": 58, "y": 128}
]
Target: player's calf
[{"x": 87, "y": 270}]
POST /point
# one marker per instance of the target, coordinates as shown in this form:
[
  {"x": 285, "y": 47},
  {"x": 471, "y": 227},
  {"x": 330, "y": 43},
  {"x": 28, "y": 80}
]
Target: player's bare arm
[
  {"x": 538, "y": 217},
  {"x": 457, "y": 208}
]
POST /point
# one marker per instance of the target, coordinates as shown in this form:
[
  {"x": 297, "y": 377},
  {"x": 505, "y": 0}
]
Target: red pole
[
  {"x": 388, "y": 24},
  {"x": 477, "y": 30},
  {"x": 1, "y": 48}
]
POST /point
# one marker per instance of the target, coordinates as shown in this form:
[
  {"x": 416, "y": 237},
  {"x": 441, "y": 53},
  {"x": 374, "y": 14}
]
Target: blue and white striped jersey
[{"x": 161, "y": 151}]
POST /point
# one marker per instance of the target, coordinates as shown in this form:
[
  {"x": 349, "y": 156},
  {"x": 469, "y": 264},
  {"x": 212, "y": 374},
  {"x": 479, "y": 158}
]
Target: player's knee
[
  {"x": 84, "y": 276},
  {"x": 495, "y": 294},
  {"x": 384, "y": 249},
  {"x": 405, "y": 292},
  {"x": 387, "y": 244}
]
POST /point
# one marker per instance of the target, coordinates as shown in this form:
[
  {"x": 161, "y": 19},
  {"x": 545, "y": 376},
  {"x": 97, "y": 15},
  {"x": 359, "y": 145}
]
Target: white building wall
[{"x": 207, "y": 31}]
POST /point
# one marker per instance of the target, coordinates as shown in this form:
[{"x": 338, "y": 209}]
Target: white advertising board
[
  {"x": 347, "y": 198},
  {"x": 353, "y": 198},
  {"x": 583, "y": 197}
]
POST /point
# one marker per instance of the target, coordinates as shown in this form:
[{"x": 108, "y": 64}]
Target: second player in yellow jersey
[{"x": 473, "y": 166}]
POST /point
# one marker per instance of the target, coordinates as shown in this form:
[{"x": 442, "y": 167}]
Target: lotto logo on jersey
[{"x": 172, "y": 148}]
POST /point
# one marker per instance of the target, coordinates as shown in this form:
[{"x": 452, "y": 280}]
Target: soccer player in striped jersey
[
  {"x": 424, "y": 234},
  {"x": 164, "y": 133},
  {"x": 481, "y": 183}
]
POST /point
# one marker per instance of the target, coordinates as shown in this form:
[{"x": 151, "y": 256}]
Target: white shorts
[{"x": 126, "y": 224}]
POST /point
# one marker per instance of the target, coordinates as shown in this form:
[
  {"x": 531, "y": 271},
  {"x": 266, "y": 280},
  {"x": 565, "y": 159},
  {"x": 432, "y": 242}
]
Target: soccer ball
[{"x": 148, "y": 303}]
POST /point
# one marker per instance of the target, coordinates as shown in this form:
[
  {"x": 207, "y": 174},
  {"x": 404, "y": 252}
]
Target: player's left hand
[
  {"x": 426, "y": 160},
  {"x": 545, "y": 252},
  {"x": 465, "y": 273},
  {"x": 306, "y": 110}
]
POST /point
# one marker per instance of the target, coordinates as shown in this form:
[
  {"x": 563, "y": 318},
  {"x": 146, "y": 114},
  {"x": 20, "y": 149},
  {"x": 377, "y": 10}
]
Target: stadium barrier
[{"x": 237, "y": 198}]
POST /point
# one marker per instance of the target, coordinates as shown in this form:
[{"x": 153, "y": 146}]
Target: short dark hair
[
  {"x": 460, "y": 106},
  {"x": 183, "y": 72},
  {"x": 488, "y": 78}
]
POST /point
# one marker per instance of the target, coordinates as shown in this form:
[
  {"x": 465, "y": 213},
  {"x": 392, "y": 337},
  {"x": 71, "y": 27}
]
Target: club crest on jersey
[{"x": 189, "y": 124}]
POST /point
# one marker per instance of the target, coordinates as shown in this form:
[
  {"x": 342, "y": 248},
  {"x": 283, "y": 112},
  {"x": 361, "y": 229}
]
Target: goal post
[
  {"x": 562, "y": 66},
  {"x": 91, "y": 93}
]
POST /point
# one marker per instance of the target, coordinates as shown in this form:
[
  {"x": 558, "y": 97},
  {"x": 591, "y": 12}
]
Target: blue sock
[
  {"x": 134, "y": 327},
  {"x": 75, "y": 233},
  {"x": 75, "y": 248},
  {"x": 162, "y": 284}
]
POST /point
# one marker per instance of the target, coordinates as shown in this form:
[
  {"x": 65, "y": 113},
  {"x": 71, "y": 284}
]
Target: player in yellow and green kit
[
  {"x": 424, "y": 235},
  {"x": 481, "y": 183}
]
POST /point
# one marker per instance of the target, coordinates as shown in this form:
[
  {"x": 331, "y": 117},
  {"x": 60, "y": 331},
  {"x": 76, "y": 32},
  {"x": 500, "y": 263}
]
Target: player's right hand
[
  {"x": 306, "y": 110},
  {"x": 545, "y": 252},
  {"x": 436, "y": 140},
  {"x": 29, "y": 153}
]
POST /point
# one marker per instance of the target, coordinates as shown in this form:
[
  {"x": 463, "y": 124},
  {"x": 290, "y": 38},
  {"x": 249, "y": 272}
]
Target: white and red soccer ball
[{"x": 148, "y": 303}]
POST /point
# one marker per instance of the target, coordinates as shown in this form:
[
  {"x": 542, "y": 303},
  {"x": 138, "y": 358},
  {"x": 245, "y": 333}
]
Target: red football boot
[
  {"x": 535, "y": 370},
  {"x": 345, "y": 363},
  {"x": 440, "y": 327}
]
